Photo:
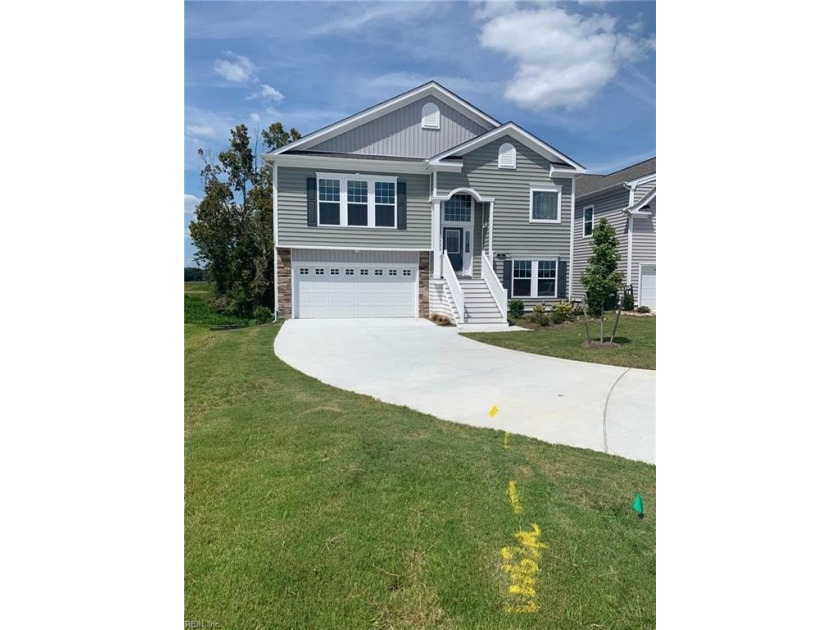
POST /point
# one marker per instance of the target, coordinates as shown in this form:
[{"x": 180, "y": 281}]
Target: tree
[
  {"x": 602, "y": 279},
  {"x": 235, "y": 239}
]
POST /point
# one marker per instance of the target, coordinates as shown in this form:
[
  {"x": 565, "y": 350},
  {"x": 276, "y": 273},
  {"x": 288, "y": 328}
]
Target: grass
[
  {"x": 636, "y": 336},
  {"x": 197, "y": 310},
  {"x": 311, "y": 507}
]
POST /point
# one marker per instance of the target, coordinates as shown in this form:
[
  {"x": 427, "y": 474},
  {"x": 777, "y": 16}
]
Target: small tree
[{"x": 602, "y": 279}]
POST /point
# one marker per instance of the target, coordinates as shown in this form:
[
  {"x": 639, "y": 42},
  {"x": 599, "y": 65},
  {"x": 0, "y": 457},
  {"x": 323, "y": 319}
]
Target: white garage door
[
  {"x": 647, "y": 291},
  {"x": 358, "y": 290}
]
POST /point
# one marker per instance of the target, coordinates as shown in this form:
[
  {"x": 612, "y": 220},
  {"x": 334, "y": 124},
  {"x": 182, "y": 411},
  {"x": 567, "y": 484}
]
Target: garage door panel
[
  {"x": 346, "y": 291},
  {"x": 647, "y": 291}
]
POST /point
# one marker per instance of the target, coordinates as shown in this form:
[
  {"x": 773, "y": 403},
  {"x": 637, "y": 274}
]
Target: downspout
[
  {"x": 630, "y": 242},
  {"x": 572, "y": 243},
  {"x": 274, "y": 231}
]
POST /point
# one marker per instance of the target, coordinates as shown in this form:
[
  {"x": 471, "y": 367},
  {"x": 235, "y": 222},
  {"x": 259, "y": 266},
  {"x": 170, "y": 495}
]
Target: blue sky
[{"x": 581, "y": 76}]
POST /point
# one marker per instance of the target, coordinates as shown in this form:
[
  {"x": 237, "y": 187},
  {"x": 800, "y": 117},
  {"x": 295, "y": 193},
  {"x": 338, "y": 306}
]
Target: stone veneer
[
  {"x": 424, "y": 284},
  {"x": 283, "y": 283}
]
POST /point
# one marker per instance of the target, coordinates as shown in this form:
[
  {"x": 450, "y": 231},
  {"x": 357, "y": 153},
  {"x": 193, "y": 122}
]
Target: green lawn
[
  {"x": 636, "y": 335},
  {"x": 310, "y": 507},
  {"x": 198, "y": 311}
]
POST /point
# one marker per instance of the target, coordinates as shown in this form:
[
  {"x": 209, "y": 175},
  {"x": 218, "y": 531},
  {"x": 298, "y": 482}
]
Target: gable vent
[
  {"x": 431, "y": 116},
  {"x": 507, "y": 156}
]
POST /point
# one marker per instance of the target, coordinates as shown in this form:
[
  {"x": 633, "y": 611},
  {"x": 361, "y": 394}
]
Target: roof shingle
[{"x": 588, "y": 184}]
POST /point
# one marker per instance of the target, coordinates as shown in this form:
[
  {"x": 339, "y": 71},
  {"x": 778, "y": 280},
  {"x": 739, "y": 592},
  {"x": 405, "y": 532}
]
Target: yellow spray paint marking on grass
[
  {"x": 493, "y": 411},
  {"x": 507, "y": 440},
  {"x": 513, "y": 495},
  {"x": 522, "y": 574}
]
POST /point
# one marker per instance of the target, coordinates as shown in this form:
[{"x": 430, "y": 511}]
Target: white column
[
  {"x": 437, "y": 271},
  {"x": 490, "y": 239}
]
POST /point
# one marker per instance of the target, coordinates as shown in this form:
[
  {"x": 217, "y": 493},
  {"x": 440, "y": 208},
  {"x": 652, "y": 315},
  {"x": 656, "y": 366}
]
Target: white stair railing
[
  {"x": 496, "y": 289},
  {"x": 454, "y": 286}
]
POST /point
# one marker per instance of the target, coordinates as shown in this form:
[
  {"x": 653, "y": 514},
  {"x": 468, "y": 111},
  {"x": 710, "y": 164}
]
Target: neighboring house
[
  {"x": 422, "y": 204},
  {"x": 627, "y": 200}
]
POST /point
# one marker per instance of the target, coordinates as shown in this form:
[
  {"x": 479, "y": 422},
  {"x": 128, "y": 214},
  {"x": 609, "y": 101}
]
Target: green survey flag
[{"x": 637, "y": 504}]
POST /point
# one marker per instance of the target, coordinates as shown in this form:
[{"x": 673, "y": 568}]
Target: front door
[{"x": 453, "y": 240}]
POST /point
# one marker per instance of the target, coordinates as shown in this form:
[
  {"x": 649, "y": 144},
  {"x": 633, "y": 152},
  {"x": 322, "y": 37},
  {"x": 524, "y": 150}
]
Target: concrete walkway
[{"x": 436, "y": 371}]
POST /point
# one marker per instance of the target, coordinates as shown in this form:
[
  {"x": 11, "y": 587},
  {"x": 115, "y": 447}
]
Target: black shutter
[
  {"x": 402, "y": 219},
  {"x": 562, "y": 280},
  {"x": 311, "y": 202},
  {"x": 507, "y": 272}
]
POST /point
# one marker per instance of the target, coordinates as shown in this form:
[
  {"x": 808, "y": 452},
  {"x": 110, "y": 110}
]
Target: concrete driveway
[{"x": 436, "y": 371}]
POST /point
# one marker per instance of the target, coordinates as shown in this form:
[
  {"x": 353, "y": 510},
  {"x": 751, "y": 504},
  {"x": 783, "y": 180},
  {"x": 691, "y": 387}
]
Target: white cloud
[
  {"x": 236, "y": 68},
  {"x": 563, "y": 59},
  {"x": 351, "y": 16},
  {"x": 255, "y": 117},
  {"x": 190, "y": 203},
  {"x": 267, "y": 92},
  {"x": 201, "y": 131}
]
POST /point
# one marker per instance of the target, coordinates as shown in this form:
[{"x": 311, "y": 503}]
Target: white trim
[
  {"x": 534, "y": 277},
  {"x": 571, "y": 265},
  {"x": 463, "y": 190},
  {"x": 562, "y": 172},
  {"x": 518, "y": 133},
  {"x": 642, "y": 264},
  {"x": 636, "y": 208},
  {"x": 347, "y": 164},
  {"x": 630, "y": 237},
  {"x": 371, "y": 181},
  {"x": 558, "y": 190},
  {"x": 641, "y": 180},
  {"x": 274, "y": 230},
  {"x": 511, "y": 149},
  {"x": 437, "y": 236},
  {"x": 583, "y": 223},
  {"x": 490, "y": 236},
  {"x": 428, "y": 89},
  {"x": 448, "y": 167},
  {"x": 434, "y": 183},
  {"x": 355, "y": 249}
]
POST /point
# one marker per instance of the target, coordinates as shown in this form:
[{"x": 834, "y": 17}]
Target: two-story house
[
  {"x": 627, "y": 200},
  {"x": 421, "y": 204}
]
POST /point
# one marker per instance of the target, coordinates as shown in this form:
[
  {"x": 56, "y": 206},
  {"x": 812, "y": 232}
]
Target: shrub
[
  {"x": 643, "y": 309},
  {"x": 627, "y": 302},
  {"x": 561, "y": 312},
  {"x": 263, "y": 314},
  {"x": 516, "y": 308},
  {"x": 539, "y": 316},
  {"x": 440, "y": 319}
]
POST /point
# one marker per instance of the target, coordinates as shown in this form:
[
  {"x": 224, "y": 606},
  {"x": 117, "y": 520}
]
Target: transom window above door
[{"x": 458, "y": 208}]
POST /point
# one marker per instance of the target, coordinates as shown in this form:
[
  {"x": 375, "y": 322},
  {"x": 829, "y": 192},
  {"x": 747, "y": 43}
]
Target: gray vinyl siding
[
  {"x": 644, "y": 244},
  {"x": 513, "y": 233},
  {"x": 479, "y": 237},
  {"x": 292, "y": 230},
  {"x": 642, "y": 190},
  {"x": 400, "y": 133},
  {"x": 340, "y": 256},
  {"x": 609, "y": 206}
]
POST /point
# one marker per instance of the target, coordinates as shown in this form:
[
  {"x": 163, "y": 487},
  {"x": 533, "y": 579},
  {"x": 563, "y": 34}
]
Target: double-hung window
[
  {"x": 534, "y": 278},
  {"x": 588, "y": 220},
  {"x": 357, "y": 200},
  {"x": 545, "y": 205}
]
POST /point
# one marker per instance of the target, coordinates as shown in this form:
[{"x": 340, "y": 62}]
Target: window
[
  {"x": 431, "y": 116},
  {"x": 357, "y": 200},
  {"x": 588, "y": 219},
  {"x": 319, "y": 272},
  {"x": 546, "y": 278},
  {"x": 522, "y": 278},
  {"x": 348, "y": 272},
  {"x": 386, "y": 204},
  {"x": 377, "y": 272},
  {"x": 458, "y": 208},
  {"x": 392, "y": 272},
  {"x": 406, "y": 272},
  {"x": 535, "y": 278},
  {"x": 363, "y": 272},
  {"x": 329, "y": 201},
  {"x": 333, "y": 272},
  {"x": 545, "y": 205},
  {"x": 507, "y": 156},
  {"x": 304, "y": 272}
]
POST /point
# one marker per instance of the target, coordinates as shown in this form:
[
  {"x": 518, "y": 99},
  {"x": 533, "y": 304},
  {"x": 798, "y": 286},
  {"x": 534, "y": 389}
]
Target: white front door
[
  {"x": 647, "y": 286},
  {"x": 325, "y": 289}
]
